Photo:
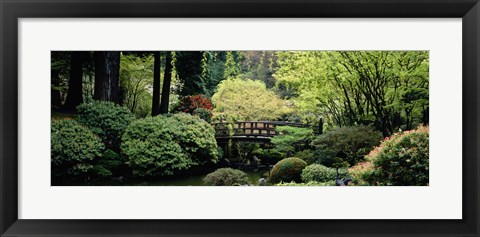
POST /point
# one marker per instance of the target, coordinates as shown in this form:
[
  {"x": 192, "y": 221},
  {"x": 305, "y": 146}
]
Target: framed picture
[{"x": 125, "y": 117}]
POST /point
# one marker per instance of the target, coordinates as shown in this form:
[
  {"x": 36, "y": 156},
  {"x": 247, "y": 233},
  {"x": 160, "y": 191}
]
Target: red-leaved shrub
[{"x": 189, "y": 103}]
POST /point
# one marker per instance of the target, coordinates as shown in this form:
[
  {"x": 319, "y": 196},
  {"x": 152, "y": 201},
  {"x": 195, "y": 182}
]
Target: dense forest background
[{"x": 385, "y": 89}]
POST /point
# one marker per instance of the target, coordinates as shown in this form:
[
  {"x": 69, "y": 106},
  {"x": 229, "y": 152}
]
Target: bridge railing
[{"x": 250, "y": 128}]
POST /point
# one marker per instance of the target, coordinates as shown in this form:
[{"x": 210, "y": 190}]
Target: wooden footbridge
[{"x": 249, "y": 131}]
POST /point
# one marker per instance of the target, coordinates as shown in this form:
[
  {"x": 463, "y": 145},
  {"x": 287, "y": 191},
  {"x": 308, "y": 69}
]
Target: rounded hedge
[
  {"x": 105, "y": 119},
  {"x": 319, "y": 173},
  {"x": 287, "y": 170},
  {"x": 163, "y": 145},
  {"x": 401, "y": 160},
  {"x": 226, "y": 177},
  {"x": 73, "y": 148}
]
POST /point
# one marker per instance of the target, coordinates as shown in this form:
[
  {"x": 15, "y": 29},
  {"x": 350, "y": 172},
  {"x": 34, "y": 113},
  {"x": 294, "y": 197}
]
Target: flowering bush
[
  {"x": 400, "y": 160},
  {"x": 360, "y": 172},
  {"x": 196, "y": 105}
]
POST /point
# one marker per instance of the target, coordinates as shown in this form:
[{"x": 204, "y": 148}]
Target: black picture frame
[{"x": 12, "y": 10}]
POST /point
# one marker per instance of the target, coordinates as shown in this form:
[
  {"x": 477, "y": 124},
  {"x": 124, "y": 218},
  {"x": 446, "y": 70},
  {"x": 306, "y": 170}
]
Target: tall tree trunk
[
  {"x": 167, "y": 80},
  {"x": 55, "y": 93},
  {"x": 156, "y": 84},
  {"x": 425, "y": 116},
  {"x": 74, "y": 94},
  {"x": 122, "y": 94},
  {"x": 107, "y": 72}
]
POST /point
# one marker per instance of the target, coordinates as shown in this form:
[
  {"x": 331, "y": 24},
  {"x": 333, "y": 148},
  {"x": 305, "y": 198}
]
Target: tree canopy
[
  {"x": 248, "y": 100},
  {"x": 386, "y": 89}
]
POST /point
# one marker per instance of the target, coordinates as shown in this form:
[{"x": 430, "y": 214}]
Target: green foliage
[
  {"x": 188, "y": 67},
  {"x": 291, "y": 139},
  {"x": 388, "y": 89},
  {"x": 344, "y": 146},
  {"x": 59, "y": 70},
  {"x": 163, "y": 145},
  {"x": 105, "y": 119},
  {"x": 136, "y": 75},
  {"x": 226, "y": 177},
  {"x": 220, "y": 153},
  {"x": 204, "y": 114},
  {"x": 232, "y": 67},
  {"x": 259, "y": 65},
  {"x": 303, "y": 77},
  {"x": 307, "y": 156},
  {"x": 401, "y": 160},
  {"x": 287, "y": 170},
  {"x": 248, "y": 100},
  {"x": 312, "y": 183},
  {"x": 73, "y": 148},
  {"x": 243, "y": 152},
  {"x": 320, "y": 173},
  {"x": 110, "y": 164},
  {"x": 267, "y": 156},
  {"x": 213, "y": 70}
]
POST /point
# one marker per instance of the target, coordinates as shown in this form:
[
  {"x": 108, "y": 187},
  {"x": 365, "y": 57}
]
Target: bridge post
[{"x": 320, "y": 126}]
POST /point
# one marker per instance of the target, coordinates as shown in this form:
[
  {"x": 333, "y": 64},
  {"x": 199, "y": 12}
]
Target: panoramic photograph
[{"x": 239, "y": 118}]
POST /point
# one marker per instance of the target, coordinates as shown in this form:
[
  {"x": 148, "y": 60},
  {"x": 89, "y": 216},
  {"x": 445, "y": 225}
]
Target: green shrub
[
  {"x": 204, "y": 114},
  {"x": 287, "y": 170},
  {"x": 165, "y": 144},
  {"x": 105, "y": 119},
  {"x": 244, "y": 152},
  {"x": 291, "y": 139},
  {"x": 226, "y": 177},
  {"x": 401, "y": 160},
  {"x": 307, "y": 156},
  {"x": 345, "y": 145},
  {"x": 320, "y": 173},
  {"x": 312, "y": 183},
  {"x": 267, "y": 156},
  {"x": 110, "y": 164},
  {"x": 73, "y": 148}
]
